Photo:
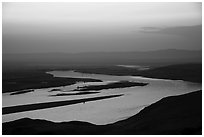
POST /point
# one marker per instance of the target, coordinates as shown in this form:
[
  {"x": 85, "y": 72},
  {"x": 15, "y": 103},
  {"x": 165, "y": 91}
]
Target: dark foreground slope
[{"x": 172, "y": 115}]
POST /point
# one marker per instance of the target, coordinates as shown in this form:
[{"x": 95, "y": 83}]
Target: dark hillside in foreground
[{"x": 171, "y": 115}]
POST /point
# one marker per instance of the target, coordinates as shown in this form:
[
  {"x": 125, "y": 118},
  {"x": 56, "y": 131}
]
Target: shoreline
[
  {"x": 37, "y": 106},
  {"x": 184, "y": 120},
  {"x": 35, "y": 79}
]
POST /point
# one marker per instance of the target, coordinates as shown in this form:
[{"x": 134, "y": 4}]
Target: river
[{"x": 101, "y": 111}]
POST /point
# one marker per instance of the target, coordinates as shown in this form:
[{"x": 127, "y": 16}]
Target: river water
[{"x": 101, "y": 111}]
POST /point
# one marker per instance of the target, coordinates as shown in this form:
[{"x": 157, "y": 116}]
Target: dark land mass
[
  {"x": 120, "y": 84},
  {"x": 33, "y": 79},
  {"x": 176, "y": 115},
  {"x": 186, "y": 72},
  {"x": 27, "y": 71},
  {"x": 56, "y": 89},
  {"x": 24, "y": 77},
  {"x": 22, "y": 92},
  {"x": 29, "y": 107},
  {"x": 172, "y": 115},
  {"x": 71, "y": 94}
]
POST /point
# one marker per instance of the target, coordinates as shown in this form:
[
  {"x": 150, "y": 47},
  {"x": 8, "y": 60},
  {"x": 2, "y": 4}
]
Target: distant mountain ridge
[{"x": 170, "y": 56}]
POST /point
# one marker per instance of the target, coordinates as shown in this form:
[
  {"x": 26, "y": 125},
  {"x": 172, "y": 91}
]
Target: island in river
[{"x": 119, "y": 84}]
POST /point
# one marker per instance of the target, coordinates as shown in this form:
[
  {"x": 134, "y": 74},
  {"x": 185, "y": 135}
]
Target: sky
[{"x": 100, "y": 27}]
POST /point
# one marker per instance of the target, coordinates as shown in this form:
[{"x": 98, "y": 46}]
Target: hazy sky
[{"x": 89, "y": 27}]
